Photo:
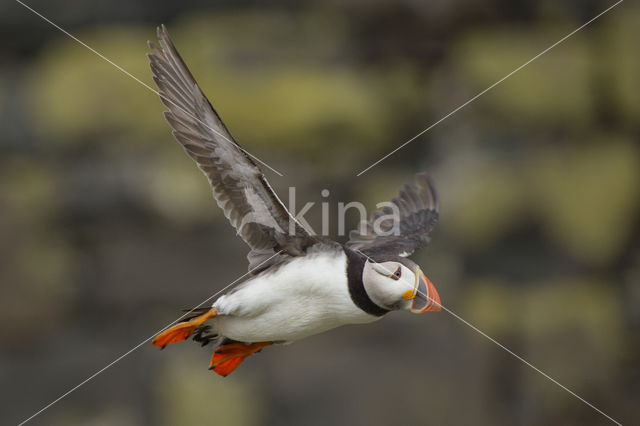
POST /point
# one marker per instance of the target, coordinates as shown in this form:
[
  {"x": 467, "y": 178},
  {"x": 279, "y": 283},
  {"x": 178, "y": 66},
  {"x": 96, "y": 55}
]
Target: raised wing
[
  {"x": 238, "y": 185},
  {"x": 402, "y": 228}
]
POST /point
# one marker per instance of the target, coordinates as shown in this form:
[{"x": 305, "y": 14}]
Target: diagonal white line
[
  {"x": 490, "y": 87},
  {"x": 124, "y": 355},
  {"x": 527, "y": 363},
  {"x": 127, "y": 73},
  {"x": 500, "y": 345}
]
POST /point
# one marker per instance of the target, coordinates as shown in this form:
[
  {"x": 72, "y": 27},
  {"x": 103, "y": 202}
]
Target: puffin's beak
[{"x": 426, "y": 297}]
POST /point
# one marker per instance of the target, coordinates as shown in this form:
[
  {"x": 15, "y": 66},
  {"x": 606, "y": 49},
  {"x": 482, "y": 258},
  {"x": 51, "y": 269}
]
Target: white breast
[{"x": 304, "y": 297}]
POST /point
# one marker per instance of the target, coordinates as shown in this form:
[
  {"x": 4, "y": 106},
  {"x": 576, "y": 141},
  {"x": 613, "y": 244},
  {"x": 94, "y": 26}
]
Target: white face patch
[
  {"x": 384, "y": 270},
  {"x": 387, "y": 282}
]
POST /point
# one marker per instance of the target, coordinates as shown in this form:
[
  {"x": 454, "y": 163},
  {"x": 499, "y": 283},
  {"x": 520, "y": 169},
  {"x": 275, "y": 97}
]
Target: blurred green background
[{"x": 107, "y": 228}]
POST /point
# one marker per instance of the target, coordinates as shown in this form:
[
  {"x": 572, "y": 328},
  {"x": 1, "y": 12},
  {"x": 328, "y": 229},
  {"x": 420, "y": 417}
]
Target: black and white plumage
[
  {"x": 301, "y": 284},
  {"x": 417, "y": 208}
]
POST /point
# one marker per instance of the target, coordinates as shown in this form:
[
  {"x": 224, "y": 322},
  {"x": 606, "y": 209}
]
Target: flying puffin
[{"x": 300, "y": 284}]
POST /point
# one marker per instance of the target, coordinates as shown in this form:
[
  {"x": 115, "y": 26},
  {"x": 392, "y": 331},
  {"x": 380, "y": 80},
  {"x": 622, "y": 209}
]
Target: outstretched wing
[
  {"x": 401, "y": 230},
  {"x": 238, "y": 185}
]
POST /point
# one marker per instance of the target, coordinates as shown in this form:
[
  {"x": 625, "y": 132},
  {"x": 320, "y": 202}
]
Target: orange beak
[{"x": 426, "y": 297}]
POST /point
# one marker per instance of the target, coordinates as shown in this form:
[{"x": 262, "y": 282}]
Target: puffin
[{"x": 299, "y": 284}]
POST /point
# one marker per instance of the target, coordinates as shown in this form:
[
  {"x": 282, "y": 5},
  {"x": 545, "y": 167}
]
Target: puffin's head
[{"x": 398, "y": 283}]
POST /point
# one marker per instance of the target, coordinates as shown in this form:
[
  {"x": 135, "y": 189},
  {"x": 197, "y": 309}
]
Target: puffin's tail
[{"x": 204, "y": 335}]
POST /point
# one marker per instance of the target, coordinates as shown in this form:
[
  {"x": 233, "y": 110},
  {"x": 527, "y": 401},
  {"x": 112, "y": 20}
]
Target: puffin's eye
[{"x": 397, "y": 274}]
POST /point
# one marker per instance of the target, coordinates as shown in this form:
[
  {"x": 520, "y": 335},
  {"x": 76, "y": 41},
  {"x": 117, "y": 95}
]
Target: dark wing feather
[
  {"x": 239, "y": 187},
  {"x": 417, "y": 206}
]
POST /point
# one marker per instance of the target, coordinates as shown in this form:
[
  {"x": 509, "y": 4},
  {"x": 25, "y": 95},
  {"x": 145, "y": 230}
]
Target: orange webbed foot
[
  {"x": 227, "y": 358},
  {"x": 182, "y": 330}
]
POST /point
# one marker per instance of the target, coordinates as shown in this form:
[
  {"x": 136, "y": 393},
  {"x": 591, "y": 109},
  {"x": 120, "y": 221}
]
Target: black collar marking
[{"x": 359, "y": 296}]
